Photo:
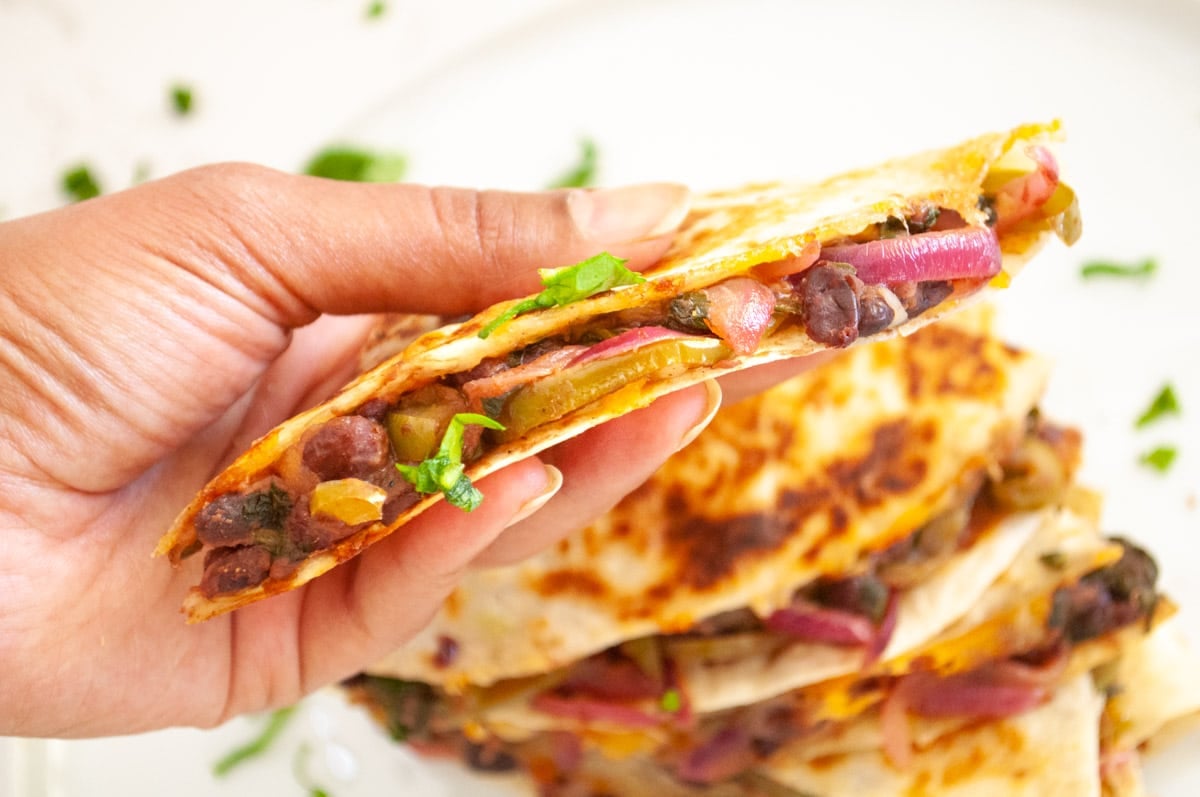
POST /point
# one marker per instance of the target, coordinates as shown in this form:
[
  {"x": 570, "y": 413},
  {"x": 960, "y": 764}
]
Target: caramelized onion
[
  {"x": 626, "y": 341},
  {"x": 940, "y": 255},
  {"x": 819, "y": 624},
  {"x": 739, "y": 312}
]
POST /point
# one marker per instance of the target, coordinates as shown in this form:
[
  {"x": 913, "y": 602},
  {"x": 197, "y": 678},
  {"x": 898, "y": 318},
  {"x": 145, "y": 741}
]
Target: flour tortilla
[
  {"x": 727, "y": 234},
  {"x": 800, "y": 481}
]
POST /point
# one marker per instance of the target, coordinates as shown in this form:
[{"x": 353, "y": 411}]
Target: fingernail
[
  {"x": 554, "y": 480},
  {"x": 629, "y": 214},
  {"x": 713, "y": 403}
]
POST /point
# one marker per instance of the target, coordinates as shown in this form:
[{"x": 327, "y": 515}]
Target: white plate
[{"x": 721, "y": 92}]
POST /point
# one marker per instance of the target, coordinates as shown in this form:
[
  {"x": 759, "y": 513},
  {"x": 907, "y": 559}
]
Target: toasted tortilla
[
  {"x": 1054, "y": 749},
  {"x": 728, "y": 234},
  {"x": 803, "y": 480}
]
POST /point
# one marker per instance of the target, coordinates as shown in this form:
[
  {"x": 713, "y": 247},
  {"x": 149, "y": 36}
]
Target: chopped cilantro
[
  {"x": 276, "y": 722},
  {"x": 671, "y": 701},
  {"x": 562, "y": 286},
  {"x": 79, "y": 184},
  {"x": 357, "y": 165},
  {"x": 376, "y": 9},
  {"x": 1165, "y": 403},
  {"x": 141, "y": 172},
  {"x": 268, "y": 508},
  {"x": 1107, "y": 268},
  {"x": 1160, "y": 458},
  {"x": 181, "y": 99},
  {"x": 582, "y": 174},
  {"x": 443, "y": 472},
  {"x": 300, "y": 771}
]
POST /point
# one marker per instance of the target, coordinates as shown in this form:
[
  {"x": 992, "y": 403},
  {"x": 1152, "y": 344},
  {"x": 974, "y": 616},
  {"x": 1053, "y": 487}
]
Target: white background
[{"x": 497, "y": 92}]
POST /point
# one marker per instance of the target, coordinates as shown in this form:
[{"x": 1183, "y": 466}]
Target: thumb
[{"x": 306, "y": 245}]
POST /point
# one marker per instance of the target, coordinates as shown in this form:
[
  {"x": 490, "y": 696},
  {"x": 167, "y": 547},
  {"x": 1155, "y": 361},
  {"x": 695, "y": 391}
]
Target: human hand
[{"x": 149, "y": 336}]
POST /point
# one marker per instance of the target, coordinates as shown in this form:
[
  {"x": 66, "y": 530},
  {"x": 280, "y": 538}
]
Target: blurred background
[{"x": 506, "y": 93}]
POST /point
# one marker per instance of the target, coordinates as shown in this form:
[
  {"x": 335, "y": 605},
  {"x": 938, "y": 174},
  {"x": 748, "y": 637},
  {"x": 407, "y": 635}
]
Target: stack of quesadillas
[
  {"x": 755, "y": 275},
  {"x": 877, "y": 578}
]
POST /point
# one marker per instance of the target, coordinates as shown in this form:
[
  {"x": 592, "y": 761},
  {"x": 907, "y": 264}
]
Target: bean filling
[{"x": 342, "y": 476}]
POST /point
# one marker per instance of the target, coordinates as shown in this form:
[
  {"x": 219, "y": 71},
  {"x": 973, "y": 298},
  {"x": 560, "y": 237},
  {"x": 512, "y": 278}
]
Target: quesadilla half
[{"x": 758, "y": 274}]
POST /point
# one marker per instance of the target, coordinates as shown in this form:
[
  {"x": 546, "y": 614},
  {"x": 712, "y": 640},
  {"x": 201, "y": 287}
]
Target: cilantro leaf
[
  {"x": 79, "y": 184},
  {"x": 376, "y": 9},
  {"x": 443, "y": 472},
  {"x": 1160, "y": 458},
  {"x": 562, "y": 286},
  {"x": 357, "y": 165},
  {"x": 181, "y": 99},
  {"x": 1165, "y": 403},
  {"x": 671, "y": 701},
  {"x": 267, "y": 508},
  {"x": 1107, "y": 268},
  {"x": 582, "y": 174},
  {"x": 276, "y": 722}
]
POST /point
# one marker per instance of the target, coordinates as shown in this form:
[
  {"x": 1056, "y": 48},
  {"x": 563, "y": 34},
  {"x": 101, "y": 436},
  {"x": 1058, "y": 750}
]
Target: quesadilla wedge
[
  {"x": 840, "y": 471},
  {"x": 759, "y": 274}
]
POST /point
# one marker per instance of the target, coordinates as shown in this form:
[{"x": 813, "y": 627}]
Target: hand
[{"x": 148, "y": 337}]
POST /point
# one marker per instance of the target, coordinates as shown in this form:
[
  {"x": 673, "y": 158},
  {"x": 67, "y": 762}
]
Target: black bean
[
  {"x": 349, "y": 447},
  {"x": 488, "y": 758},
  {"x": 917, "y": 297},
  {"x": 229, "y": 570},
  {"x": 223, "y": 523},
  {"x": 447, "y": 652},
  {"x": 830, "y": 305},
  {"x": 874, "y": 313},
  {"x": 306, "y": 533}
]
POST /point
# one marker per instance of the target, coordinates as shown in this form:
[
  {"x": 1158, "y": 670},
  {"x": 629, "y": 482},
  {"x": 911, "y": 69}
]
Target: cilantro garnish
[
  {"x": 79, "y": 184},
  {"x": 582, "y": 174},
  {"x": 357, "y": 165},
  {"x": 267, "y": 508},
  {"x": 1107, "y": 268},
  {"x": 375, "y": 10},
  {"x": 181, "y": 99},
  {"x": 562, "y": 286},
  {"x": 257, "y": 746},
  {"x": 300, "y": 771},
  {"x": 671, "y": 701},
  {"x": 443, "y": 472},
  {"x": 1160, "y": 458},
  {"x": 1165, "y": 403}
]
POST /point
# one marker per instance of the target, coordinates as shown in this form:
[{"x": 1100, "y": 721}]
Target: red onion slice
[
  {"x": 502, "y": 381},
  {"x": 739, "y": 312},
  {"x": 627, "y": 341},
  {"x": 1022, "y": 197},
  {"x": 620, "y": 680},
  {"x": 818, "y": 624},
  {"x": 994, "y": 691},
  {"x": 726, "y": 754},
  {"x": 887, "y": 627},
  {"x": 941, "y": 255}
]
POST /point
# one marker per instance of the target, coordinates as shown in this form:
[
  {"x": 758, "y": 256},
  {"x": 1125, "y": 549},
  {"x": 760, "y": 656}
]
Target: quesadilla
[
  {"x": 758, "y": 274},
  {"x": 887, "y": 637}
]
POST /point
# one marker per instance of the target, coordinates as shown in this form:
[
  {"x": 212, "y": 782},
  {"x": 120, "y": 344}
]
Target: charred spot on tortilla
[{"x": 755, "y": 275}]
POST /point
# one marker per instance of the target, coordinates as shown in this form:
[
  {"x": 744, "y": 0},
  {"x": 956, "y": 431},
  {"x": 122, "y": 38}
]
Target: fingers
[
  {"x": 366, "y": 608},
  {"x": 603, "y": 465},
  {"x": 304, "y": 245}
]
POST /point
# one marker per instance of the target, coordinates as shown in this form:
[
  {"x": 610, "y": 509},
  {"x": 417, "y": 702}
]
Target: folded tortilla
[
  {"x": 812, "y": 478},
  {"x": 759, "y": 274}
]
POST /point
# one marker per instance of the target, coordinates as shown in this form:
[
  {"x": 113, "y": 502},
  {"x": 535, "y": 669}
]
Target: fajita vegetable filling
[{"x": 367, "y": 467}]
